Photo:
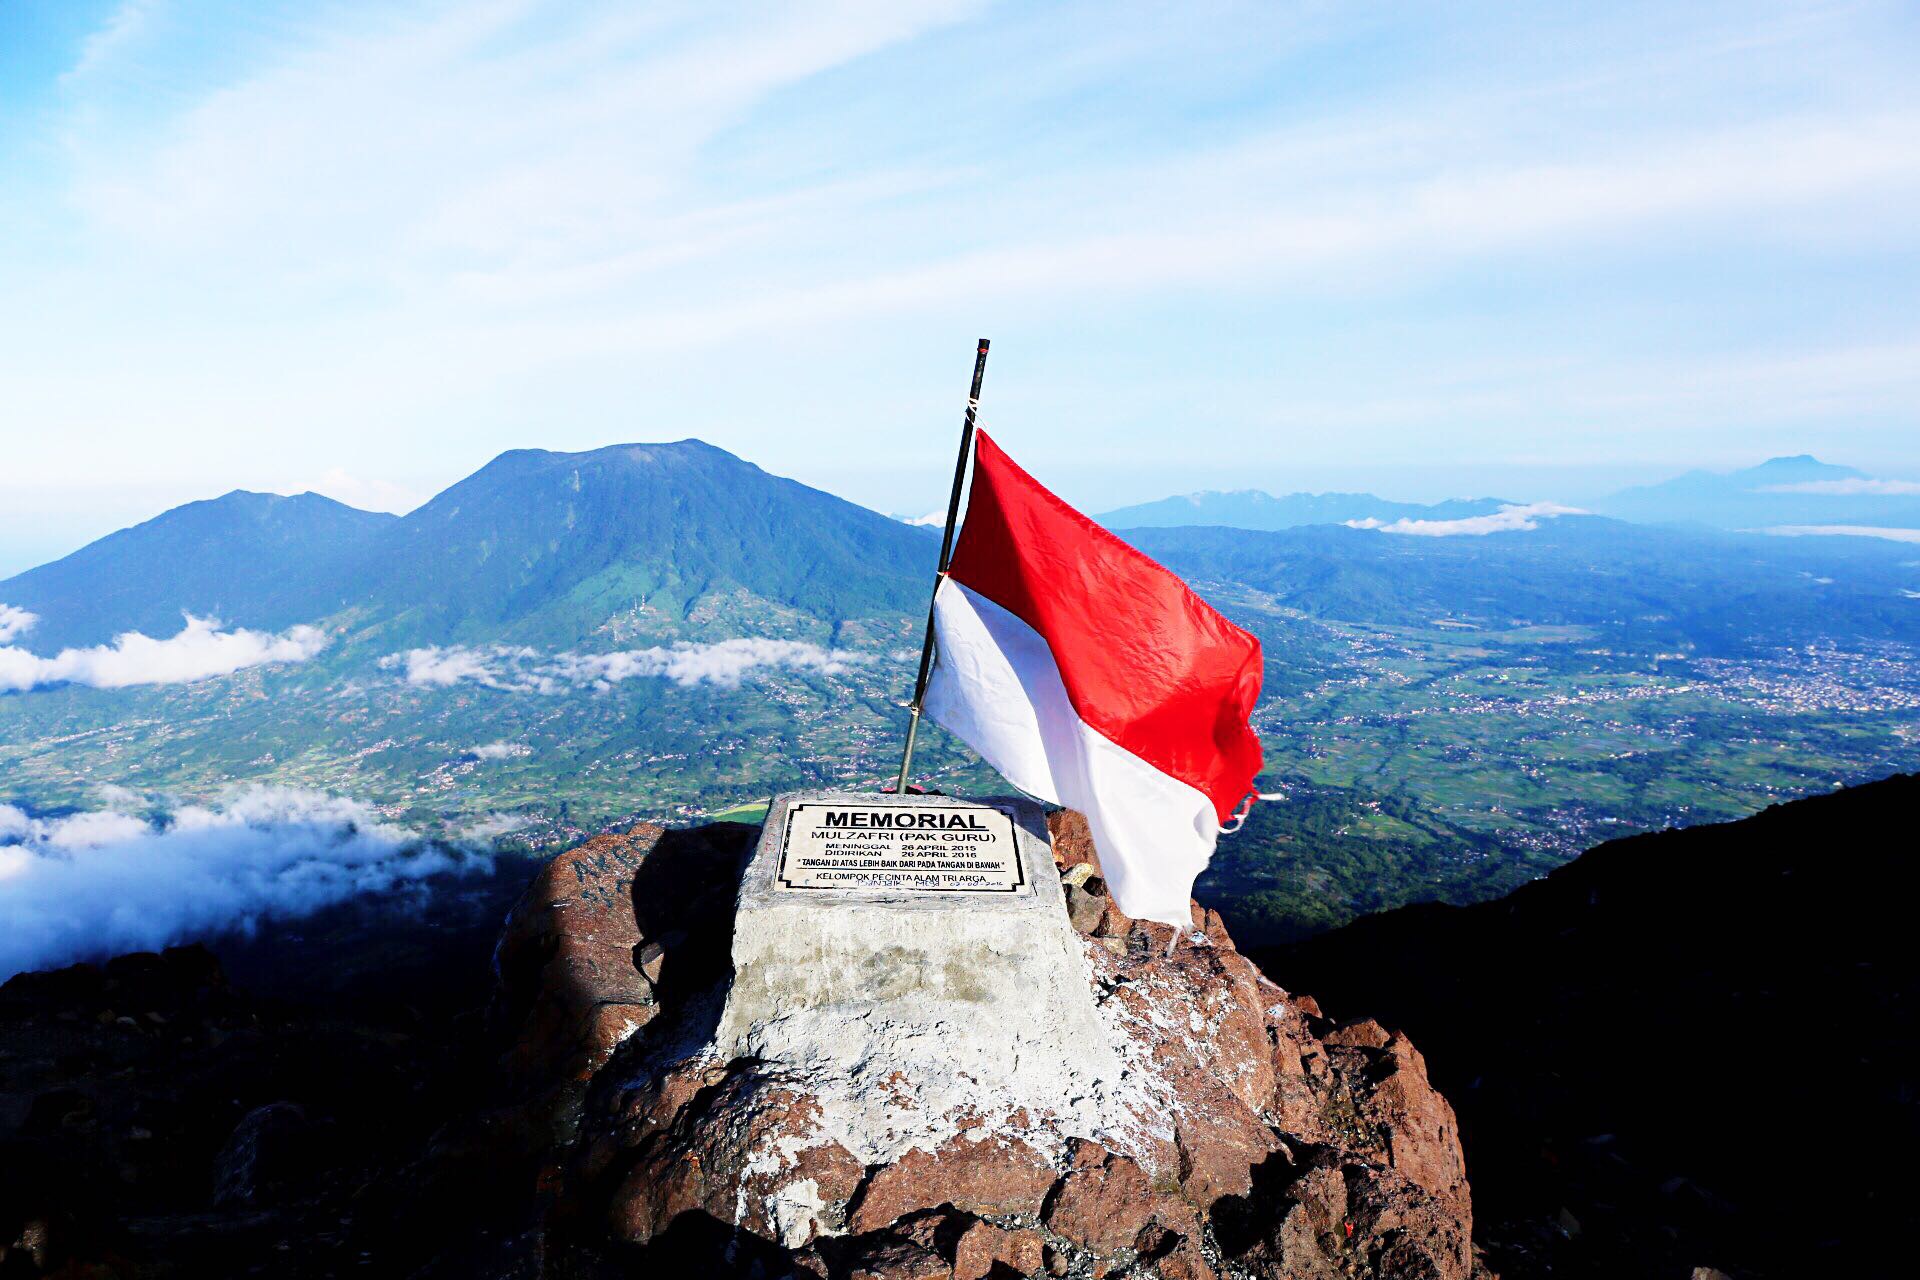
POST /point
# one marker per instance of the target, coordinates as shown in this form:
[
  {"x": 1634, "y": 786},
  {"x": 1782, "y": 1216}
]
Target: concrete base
[{"x": 915, "y": 1015}]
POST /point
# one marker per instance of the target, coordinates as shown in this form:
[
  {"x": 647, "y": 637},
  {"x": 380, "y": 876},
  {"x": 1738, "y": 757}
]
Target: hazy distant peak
[
  {"x": 1257, "y": 509},
  {"x": 1799, "y": 466},
  {"x": 1791, "y": 490}
]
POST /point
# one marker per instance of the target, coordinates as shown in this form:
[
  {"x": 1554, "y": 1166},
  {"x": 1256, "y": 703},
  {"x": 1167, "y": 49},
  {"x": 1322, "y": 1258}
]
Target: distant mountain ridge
[
  {"x": 245, "y": 557},
  {"x": 1799, "y": 491},
  {"x": 1792, "y": 491},
  {"x": 638, "y": 544},
  {"x": 1666, "y": 587},
  {"x": 1257, "y": 509},
  {"x": 627, "y": 541}
]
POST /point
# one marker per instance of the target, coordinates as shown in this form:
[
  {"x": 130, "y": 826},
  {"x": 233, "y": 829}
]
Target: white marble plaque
[{"x": 865, "y": 846}]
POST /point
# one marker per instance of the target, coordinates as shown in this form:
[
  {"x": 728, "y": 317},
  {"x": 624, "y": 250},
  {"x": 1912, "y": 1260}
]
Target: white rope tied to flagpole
[{"x": 1245, "y": 807}]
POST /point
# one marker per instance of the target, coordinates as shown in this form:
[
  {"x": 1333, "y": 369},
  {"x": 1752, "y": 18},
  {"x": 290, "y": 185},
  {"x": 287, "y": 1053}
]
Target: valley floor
[{"x": 1439, "y": 762}]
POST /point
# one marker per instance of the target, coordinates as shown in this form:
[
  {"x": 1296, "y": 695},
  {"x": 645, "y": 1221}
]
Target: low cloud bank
[
  {"x": 1842, "y": 488},
  {"x": 523, "y": 670},
  {"x": 1845, "y": 531},
  {"x": 92, "y": 885},
  {"x": 501, "y": 751},
  {"x": 199, "y": 651},
  {"x": 14, "y": 621},
  {"x": 1508, "y": 519}
]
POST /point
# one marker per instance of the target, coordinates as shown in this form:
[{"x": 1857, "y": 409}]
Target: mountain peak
[{"x": 1800, "y": 465}]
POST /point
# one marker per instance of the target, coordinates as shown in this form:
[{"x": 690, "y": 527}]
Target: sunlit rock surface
[{"x": 1239, "y": 1132}]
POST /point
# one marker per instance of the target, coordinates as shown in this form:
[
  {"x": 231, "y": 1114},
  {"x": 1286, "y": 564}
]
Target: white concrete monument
[{"x": 912, "y": 959}]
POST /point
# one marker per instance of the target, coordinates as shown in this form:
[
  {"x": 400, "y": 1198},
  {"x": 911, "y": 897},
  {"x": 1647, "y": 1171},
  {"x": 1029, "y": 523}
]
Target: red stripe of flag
[{"x": 1146, "y": 663}]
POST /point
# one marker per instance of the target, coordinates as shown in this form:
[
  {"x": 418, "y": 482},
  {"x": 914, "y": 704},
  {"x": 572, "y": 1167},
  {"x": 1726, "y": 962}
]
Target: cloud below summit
[
  {"x": 200, "y": 650},
  {"x": 14, "y": 622},
  {"x": 519, "y": 669},
  {"x": 1849, "y": 487},
  {"x": 1508, "y": 519},
  {"x": 95, "y": 884}
]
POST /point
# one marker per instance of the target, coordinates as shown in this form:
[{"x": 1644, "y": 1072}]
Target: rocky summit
[
  {"x": 1265, "y": 1141},
  {"x": 189, "y": 1114}
]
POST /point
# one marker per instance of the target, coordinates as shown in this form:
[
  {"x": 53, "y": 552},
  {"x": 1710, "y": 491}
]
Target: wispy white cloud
[
  {"x": 464, "y": 216},
  {"x": 500, "y": 751},
  {"x": 524, "y": 670},
  {"x": 200, "y": 650},
  {"x": 439, "y": 667},
  {"x": 15, "y": 621},
  {"x": 491, "y": 828},
  {"x": 122, "y": 30},
  {"x": 1862, "y": 485},
  {"x": 1845, "y": 531},
  {"x": 1508, "y": 519},
  {"x": 93, "y": 884}
]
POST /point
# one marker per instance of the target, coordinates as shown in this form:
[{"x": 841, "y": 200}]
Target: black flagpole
[{"x": 946, "y": 553}]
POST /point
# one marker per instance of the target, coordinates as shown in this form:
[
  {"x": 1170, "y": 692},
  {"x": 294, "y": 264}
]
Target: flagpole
[{"x": 946, "y": 553}]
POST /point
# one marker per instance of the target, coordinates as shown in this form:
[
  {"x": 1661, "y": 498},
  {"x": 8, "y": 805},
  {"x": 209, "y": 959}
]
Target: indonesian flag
[{"x": 1091, "y": 677}]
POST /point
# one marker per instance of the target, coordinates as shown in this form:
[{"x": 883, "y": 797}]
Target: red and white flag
[{"x": 1091, "y": 677}]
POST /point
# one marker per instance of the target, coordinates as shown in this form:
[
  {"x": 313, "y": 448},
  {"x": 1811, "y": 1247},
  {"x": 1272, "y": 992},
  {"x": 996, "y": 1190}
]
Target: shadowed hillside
[{"x": 1689, "y": 1048}]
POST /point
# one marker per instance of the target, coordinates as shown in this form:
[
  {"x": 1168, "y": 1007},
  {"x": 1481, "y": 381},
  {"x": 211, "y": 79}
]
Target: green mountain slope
[
  {"x": 631, "y": 540},
  {"x": 646, "y": 541}
]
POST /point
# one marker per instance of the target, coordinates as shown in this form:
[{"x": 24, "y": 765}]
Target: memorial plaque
[
  {"x": 909, "y": 848},
  {"x": 880, "y": 937}
]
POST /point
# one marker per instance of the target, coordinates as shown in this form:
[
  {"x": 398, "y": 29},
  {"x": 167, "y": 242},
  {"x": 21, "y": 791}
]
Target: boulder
[{"x": 1229, "y": 1128}]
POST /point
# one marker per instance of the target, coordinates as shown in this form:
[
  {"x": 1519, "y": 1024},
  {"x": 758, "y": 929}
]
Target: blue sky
[{"x": 1535, "y": 251}]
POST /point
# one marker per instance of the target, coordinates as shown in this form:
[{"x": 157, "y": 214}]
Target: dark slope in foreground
[
  {"x": 254, "y": 1107},
  {"x": 247, "y": 558},
  {"x": 1698, "y": 1045}
]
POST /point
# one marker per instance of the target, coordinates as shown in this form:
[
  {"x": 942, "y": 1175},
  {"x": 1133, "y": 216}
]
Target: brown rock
[
  {"x": 1322, "y": 1157},
  {"x": 1185, "y": 1262},
  {"x": 899, "y": 1260},
  {"x": 983, "y": 1247},
  {"x": 1423, "y": 1137},
  {"x": 1107, "y": 1200},
  {"x": 1171, "y": 1256},
  {"x": 648, "y": 958},
  {"x": 744, "y": 1152},
  {"x": 1365, "y": 1034},
  {"x": 1220, "y": 1142},
  {"x": 567, "y": 953},
  {"x": 986, "y": 1176},
  {"x": 1086, "y": 907},
  {"x": 1072, "y": 841}
]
